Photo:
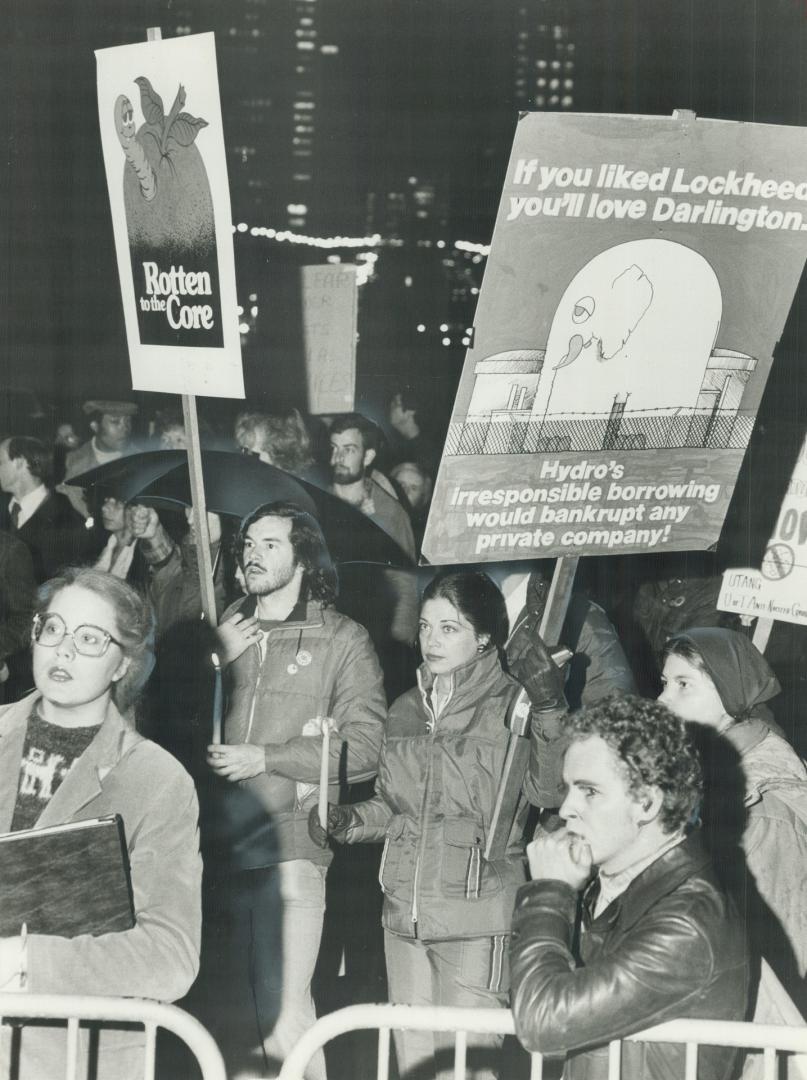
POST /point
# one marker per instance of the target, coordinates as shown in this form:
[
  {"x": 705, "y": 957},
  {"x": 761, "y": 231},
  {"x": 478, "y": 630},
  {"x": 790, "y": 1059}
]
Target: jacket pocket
[
  {"x": 397, "y": 867},
  {"x": 463, "y": 861}
]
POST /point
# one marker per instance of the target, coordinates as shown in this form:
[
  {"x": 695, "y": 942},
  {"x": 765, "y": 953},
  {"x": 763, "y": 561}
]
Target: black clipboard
[{"x": 66, "y": 879}]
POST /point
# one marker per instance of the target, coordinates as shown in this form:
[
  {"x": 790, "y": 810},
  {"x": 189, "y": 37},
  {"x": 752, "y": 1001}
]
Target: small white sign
[{"x": 778, "y": 590}]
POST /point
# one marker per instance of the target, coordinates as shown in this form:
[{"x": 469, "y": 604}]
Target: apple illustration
[
  {"x": 165, "y": 186},
  {"x": 169, "y": 221}
]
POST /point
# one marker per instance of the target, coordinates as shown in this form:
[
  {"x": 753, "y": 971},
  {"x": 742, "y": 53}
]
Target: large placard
[
  {"x": 640, "y": 273},
  {"x": 163, "y": 146}
]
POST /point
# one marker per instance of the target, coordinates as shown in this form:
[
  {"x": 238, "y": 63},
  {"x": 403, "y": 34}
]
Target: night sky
[{"x": 425, "y": 87}]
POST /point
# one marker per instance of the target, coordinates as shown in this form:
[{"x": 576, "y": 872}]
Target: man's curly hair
[{"x": 653, "y": 746}]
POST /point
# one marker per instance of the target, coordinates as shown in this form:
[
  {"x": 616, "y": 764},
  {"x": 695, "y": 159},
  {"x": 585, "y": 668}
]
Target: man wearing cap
[{"x": 111, "y": 426}]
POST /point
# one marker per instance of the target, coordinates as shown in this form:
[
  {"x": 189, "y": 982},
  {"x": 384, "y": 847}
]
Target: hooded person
[{"x": 715, "y": 678}]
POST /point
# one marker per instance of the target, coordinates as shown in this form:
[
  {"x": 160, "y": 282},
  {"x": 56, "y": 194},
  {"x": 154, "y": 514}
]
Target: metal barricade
[
  {"x": 114, "y": 1011},
  {"x": 767, "y": 1038}
]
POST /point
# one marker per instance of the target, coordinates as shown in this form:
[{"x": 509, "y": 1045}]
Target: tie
[{"x": 15, "y": 514}]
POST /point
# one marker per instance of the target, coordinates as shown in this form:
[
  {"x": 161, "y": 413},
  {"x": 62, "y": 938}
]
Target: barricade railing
[
  {"x": 113, "y": 1011},
  {"x": 767, "y": 1038}
]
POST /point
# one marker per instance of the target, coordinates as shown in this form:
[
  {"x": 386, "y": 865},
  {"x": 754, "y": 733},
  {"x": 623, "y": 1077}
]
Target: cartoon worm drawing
[{"x": 135, "y": 154}]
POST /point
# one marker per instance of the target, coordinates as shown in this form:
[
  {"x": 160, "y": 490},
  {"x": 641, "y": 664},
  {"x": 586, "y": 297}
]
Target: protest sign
[
  {"x": 163, "y": 147},
  {"x": 330, "y": 300},
  {"x": 779, "y": 589},
  {"x": 640, "y": 273}
]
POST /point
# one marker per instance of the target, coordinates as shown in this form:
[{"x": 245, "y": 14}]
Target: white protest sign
[
  {"x": 640, "y": 272},
  {"x": 163, "y": 147},
  {"x": 779, "y": 589}
]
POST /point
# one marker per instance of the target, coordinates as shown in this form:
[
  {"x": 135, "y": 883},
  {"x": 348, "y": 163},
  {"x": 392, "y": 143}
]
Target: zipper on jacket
[
  {"x": 262, "y": 655},
  {"x": 383, "y": 863},
  {"x": 261, "y": 660},
  {"x": 422, "y": 844}
]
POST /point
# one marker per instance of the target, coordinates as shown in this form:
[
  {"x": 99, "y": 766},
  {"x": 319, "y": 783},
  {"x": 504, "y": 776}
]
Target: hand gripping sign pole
[{"x": 518, "y": 716}]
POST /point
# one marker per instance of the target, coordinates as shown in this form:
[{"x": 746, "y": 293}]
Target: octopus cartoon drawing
[{"x": 635, "y": 327}]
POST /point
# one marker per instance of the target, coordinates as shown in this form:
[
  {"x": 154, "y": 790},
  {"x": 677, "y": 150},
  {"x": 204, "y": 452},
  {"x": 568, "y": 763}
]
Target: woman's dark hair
[
  {"x": 476, "y": 598},
  {"x": 686, "y": 649},
  {"x": 653, "y": 746},
  {"x": 310, "y": 550},
  {"x": 134, "y": 624}
]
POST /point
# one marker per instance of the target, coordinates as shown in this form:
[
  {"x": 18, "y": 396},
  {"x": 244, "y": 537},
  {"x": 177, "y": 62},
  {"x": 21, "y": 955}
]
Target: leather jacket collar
[{"x": 663, "y": 876}]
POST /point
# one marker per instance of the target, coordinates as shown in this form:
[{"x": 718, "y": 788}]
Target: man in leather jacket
[{"x": 659, "y": 939}]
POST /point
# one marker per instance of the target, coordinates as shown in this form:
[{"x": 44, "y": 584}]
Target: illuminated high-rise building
[
  {"x": 545, "y": 55},
  {"x": 274, "y": 61}
]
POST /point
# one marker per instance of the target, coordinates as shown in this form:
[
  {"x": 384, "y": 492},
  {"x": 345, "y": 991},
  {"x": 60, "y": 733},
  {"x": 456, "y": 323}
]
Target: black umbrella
[{"x": 235, "y": 484}]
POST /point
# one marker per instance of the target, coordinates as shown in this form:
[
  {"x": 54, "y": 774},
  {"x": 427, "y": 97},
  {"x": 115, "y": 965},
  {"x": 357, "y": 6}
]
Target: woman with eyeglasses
[{"x": 69, "y": 752}]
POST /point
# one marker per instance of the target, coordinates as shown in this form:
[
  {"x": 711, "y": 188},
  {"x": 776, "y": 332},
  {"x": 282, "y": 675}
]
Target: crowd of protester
[{"x": 656, "y": 865}]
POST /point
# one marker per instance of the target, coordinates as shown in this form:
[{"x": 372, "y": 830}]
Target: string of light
[{"x": 286, "y": 236}]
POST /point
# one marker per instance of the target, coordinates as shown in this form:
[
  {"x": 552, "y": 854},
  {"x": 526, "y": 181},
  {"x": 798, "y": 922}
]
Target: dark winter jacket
[
  {"x": 436, "y": 789},
  {"x": 671, "y": 946},
  {"x": 317, "y": 663}
]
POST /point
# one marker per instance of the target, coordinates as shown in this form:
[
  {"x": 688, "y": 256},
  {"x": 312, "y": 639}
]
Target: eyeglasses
[{"x": 49, "y": 630}]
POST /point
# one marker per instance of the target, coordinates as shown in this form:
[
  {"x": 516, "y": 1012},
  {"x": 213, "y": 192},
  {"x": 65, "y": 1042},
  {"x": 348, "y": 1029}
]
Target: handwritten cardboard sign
[{"x": 330, "y": 295}]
